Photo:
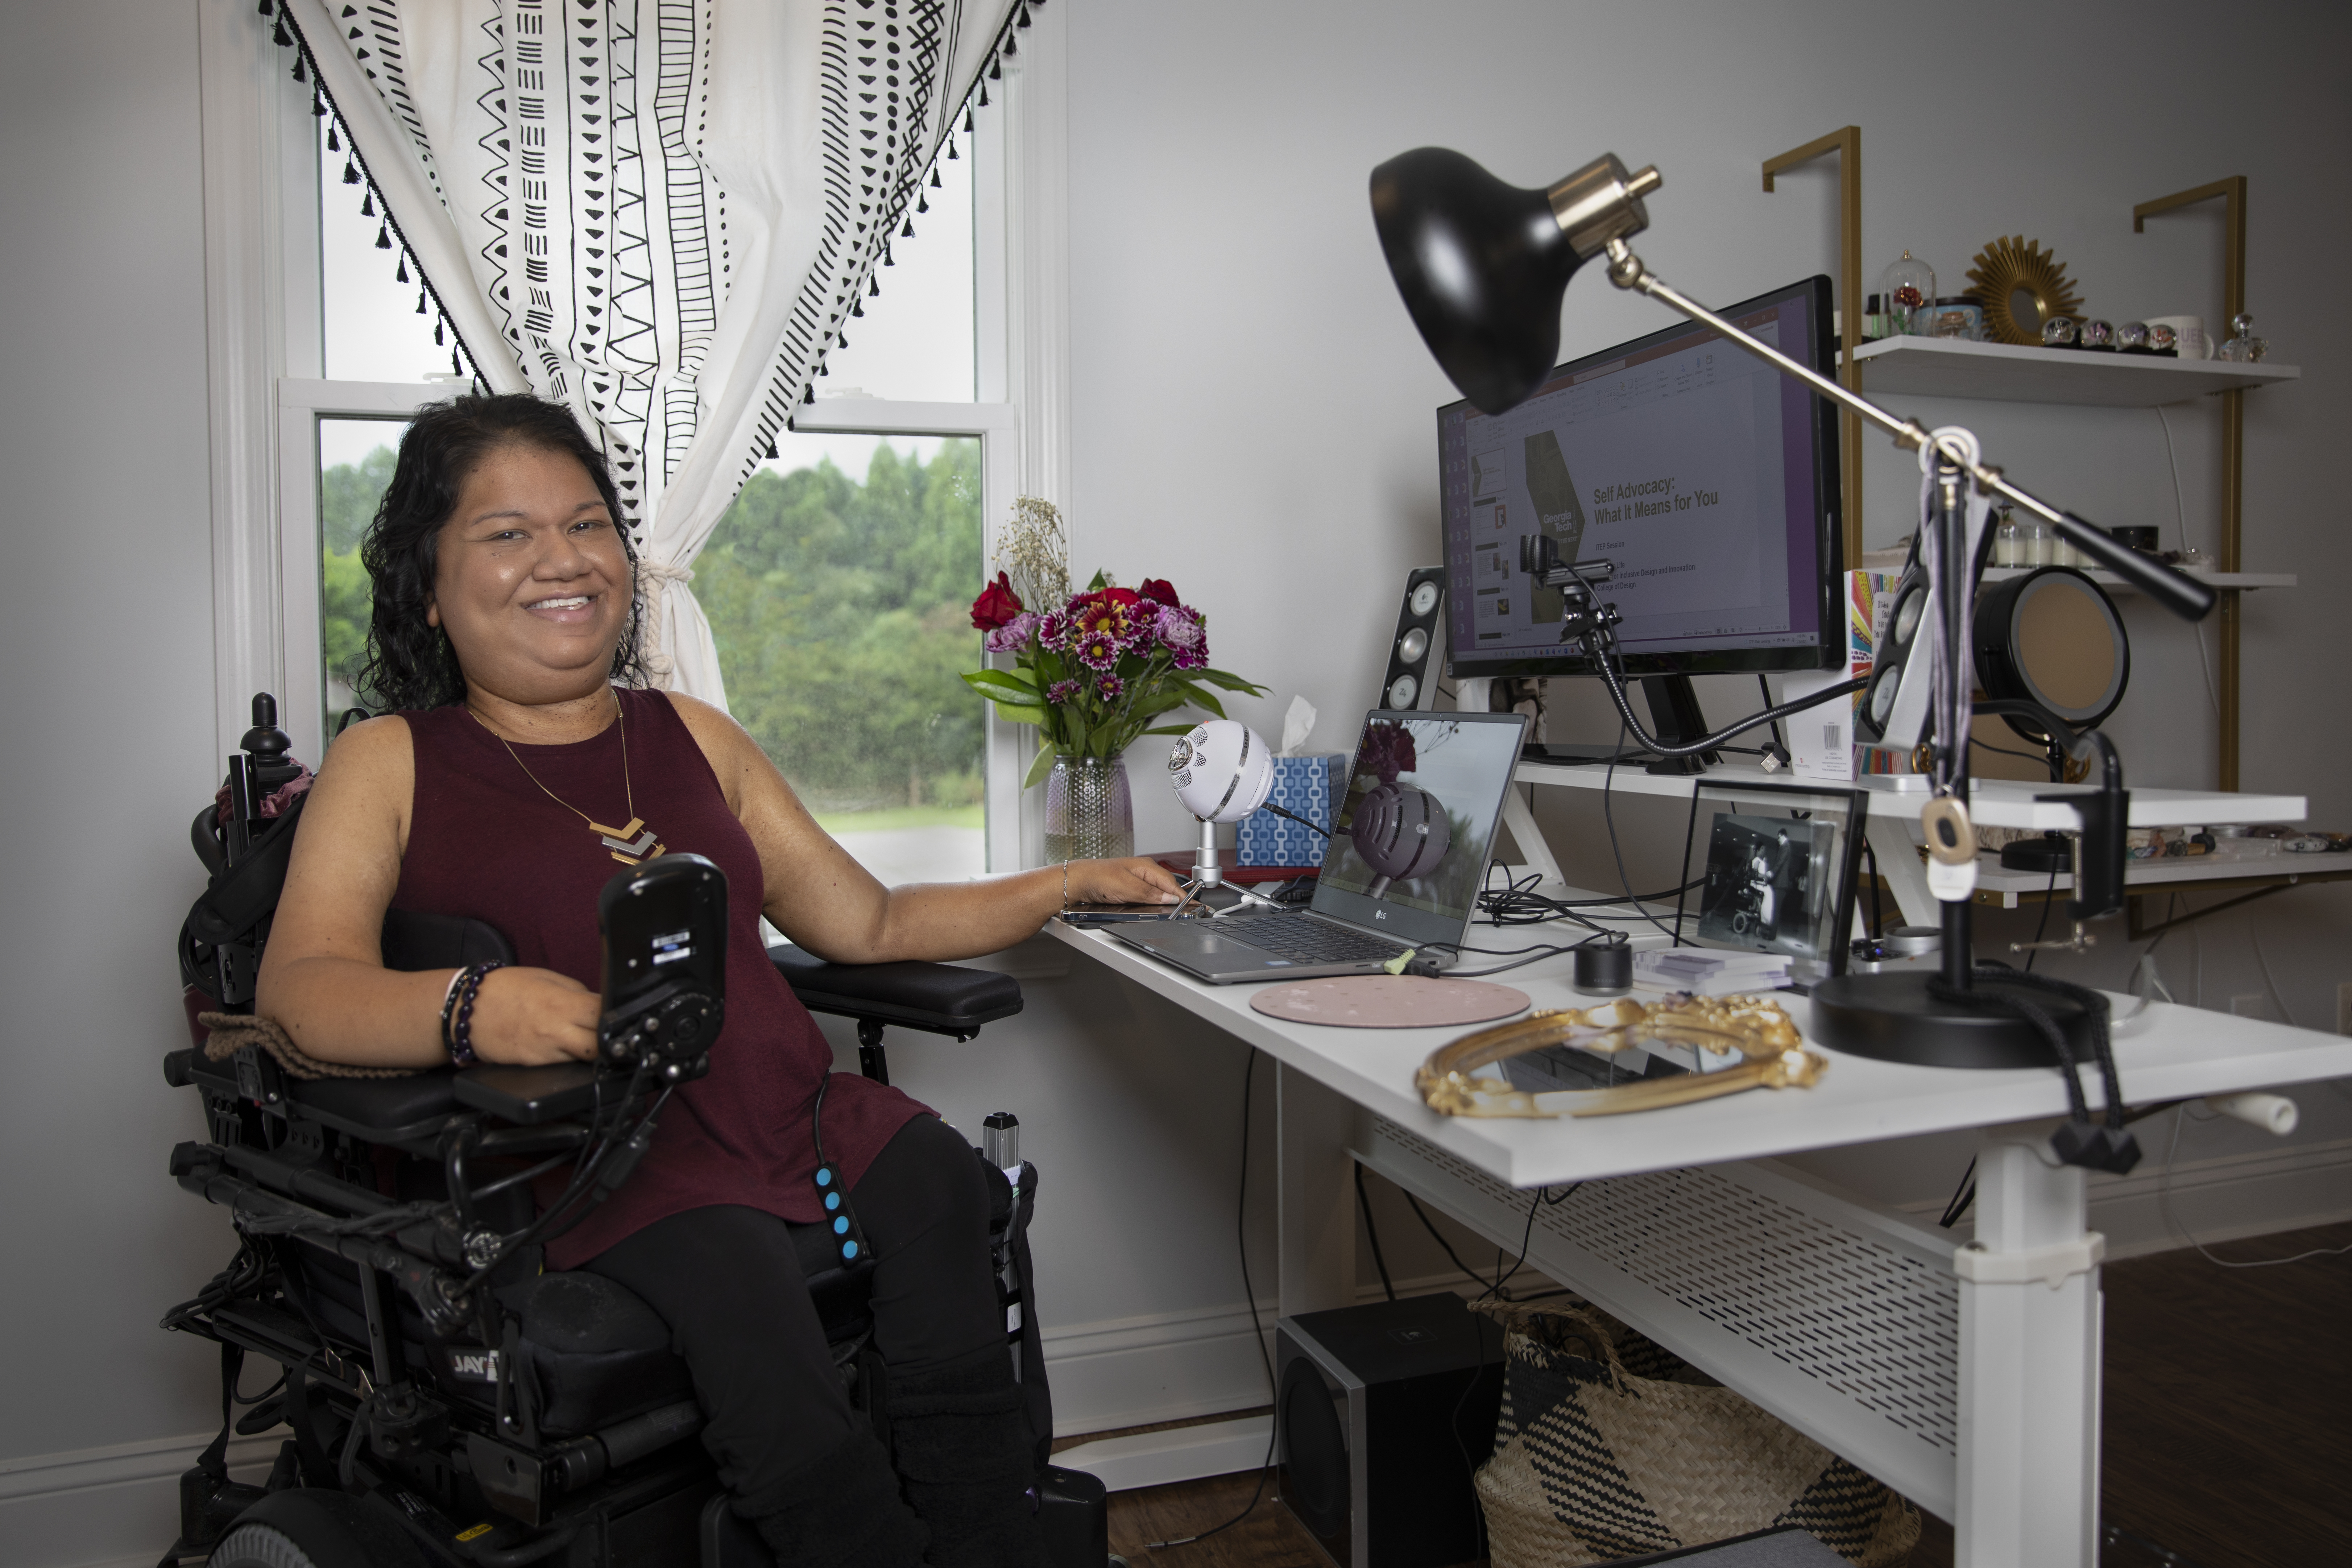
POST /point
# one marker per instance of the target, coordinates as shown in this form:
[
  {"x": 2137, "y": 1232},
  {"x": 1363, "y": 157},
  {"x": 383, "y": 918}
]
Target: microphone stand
[{"x": 1894, "y": 1017}]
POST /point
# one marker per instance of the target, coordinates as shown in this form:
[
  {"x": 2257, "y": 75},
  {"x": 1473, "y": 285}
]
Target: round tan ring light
[{"x": 2015, "y": 269}]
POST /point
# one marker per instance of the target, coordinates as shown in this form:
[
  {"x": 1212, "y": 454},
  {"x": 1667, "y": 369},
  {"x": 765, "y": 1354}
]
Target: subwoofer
[
  {"x": 1387, "y": 1410},
  {"x": 1416, "y": 655}
]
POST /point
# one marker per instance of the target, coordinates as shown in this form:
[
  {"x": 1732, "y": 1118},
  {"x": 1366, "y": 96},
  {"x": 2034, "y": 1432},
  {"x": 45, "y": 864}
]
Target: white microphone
[{"x": 1222, "y": 771}]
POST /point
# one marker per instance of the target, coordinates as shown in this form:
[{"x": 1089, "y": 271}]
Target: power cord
[
  {"x": 1257, "y": 1330},
  {"x": 2172, "y": 1221}
]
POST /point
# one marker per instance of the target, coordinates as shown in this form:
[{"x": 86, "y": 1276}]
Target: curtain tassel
[
  {"x": 983, "y": 96},
  {"x": 333, "y": 145},
  {"x": 1025, "y": 17},
  {"x": 268, "y": 7},
  {"x": 951, "y": 152},
  {"x": 383, "y": 239},
  {"x": 367, "y": 205},
  {"x": 967, "y": 116},
  {"x": 858, "y": 309},
  {"x": 922, "y": 204},
  {"x": 456, "y": 368},
  {"x": 1011, "y": 46},
  {"x": 808, "y": 394},
  {"x": 401, "y": 275},
  {"x": 420, "y": 301},
  {"x": 886, "y": 257},
  {"x": 298, "y": 73},
  {"x": 934, "y": 174},
  {"x": 351, "y": 176},
  {"x": 908, "y": 232},
  {"x": 437, "y": 338},
  {"x": 279, "y": 36},
  {"x": 318, "y": 107},
  {"x": 995, "y": 73},
  {"x": 876, "y": 286}
]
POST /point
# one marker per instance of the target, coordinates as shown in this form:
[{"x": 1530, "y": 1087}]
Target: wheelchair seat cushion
[{"x": 941, "y": 998}]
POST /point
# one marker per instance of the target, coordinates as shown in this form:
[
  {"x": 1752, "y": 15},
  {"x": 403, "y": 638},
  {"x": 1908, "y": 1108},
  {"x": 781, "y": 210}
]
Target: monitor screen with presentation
[{"x": 1692, "y": 483}]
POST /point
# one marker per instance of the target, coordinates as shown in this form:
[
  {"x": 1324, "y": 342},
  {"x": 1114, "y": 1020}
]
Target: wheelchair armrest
[
  {"x": 938, "y": 997},
  {"x": 530, "y": 1096}
]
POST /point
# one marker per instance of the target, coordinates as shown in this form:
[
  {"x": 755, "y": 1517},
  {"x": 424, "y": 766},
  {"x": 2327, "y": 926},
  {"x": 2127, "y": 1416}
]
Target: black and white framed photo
[{"x": 1776, "y": 867}]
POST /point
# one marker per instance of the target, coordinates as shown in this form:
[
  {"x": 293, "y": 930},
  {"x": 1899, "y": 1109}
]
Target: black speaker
[
  {"x": 1386, "y": 1411},
  {"x": 2052, "y": 637},
  {"x": 1417, "y": 654},
  {"x": 1893, "y": 710}
]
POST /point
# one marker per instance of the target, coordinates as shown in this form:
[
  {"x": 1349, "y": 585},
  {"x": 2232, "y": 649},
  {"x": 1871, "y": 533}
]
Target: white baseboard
[
  {"x": 1182, "y": 1454},
  {"x": 118, "y": 1505}
]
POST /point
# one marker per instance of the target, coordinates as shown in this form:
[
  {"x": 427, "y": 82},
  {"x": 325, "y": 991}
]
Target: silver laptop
[{"x": 1404, "y": 872}]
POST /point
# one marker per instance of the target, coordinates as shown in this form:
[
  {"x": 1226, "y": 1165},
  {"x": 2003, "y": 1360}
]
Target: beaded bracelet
[{"x": 458, "y": 1013}]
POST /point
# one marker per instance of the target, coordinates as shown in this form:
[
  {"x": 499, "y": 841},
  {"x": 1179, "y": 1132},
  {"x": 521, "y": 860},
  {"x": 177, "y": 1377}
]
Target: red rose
[
  {"x": 1123, "y": 596},
  {"x": 1160, "y": 590},
  {"x": 997, "y": 603}
]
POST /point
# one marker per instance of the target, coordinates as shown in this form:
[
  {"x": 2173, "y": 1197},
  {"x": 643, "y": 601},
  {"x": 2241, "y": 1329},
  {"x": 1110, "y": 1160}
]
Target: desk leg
[
  {"x": 1316, "y": 1202},
  {"x": 2029, "y": 1460},
  {"x": 1898, "y": 862}
]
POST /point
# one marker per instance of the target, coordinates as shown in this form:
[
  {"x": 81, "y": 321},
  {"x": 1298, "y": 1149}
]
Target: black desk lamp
[{"x": 1483, "y": 267}]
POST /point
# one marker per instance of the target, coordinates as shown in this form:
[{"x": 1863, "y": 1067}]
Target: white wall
[{"x": 1253, "y": 420}]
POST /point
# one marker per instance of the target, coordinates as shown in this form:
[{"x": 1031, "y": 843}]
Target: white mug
[{"x": 2188, "y": 335}]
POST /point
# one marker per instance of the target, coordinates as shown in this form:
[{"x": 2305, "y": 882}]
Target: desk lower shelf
[
  {"x": 2000, "y": 888},
  {"x": 1841, "y": 1320}
]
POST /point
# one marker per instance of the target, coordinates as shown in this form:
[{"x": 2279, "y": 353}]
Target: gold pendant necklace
[{"x": 629, "y": 844}]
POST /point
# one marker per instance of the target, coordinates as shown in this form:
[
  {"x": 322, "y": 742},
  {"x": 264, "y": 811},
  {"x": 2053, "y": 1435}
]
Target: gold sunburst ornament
[
  {"x": 2011, "y": 273},
  {"x": 1772, "y": 1054}
]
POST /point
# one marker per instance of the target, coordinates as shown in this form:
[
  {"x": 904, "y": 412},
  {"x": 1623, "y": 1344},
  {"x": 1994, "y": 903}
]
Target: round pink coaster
[{"x": 1388, "y": 1002}]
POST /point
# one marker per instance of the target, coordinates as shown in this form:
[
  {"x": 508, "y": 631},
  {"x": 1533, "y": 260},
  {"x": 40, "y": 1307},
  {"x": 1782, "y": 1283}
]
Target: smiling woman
[{"x": 522, "y": 758}]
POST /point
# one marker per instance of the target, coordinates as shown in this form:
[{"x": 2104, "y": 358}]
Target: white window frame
[
  {"x": 302, "y": 403},
  {"x": 262, "y": 318}
]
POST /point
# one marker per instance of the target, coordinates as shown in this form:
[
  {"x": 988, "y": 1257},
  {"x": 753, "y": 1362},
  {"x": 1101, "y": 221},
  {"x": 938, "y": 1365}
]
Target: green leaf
[
  {"x": 1042, "y": 764},
  {"x": 1203, "y": 699},
  {"x": 1002, "y": 685},
  {"x": 1021, "y": 712},
  {"x": 1170, "y": 730},
  {"x": 1230, "y": 682},
  {"x": 1158, "y": 702}
]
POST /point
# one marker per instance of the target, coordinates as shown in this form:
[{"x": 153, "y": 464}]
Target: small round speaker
[{"x": 2051, "y": 637}]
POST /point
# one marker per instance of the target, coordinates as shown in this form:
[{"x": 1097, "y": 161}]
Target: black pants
[{"x": 727, "y": 1283}]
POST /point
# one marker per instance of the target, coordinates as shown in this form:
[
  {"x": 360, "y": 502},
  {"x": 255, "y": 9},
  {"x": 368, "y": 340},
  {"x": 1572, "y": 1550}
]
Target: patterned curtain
[{"x": 656, "y": 212}]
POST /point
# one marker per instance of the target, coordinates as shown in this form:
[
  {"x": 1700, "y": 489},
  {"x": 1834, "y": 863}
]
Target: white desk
[{"x": 1977, "y": 1399}]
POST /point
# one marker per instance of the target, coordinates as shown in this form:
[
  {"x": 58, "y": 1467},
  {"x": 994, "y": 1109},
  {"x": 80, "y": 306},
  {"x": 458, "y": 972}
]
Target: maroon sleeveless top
[{"x": 486, "y": 842}]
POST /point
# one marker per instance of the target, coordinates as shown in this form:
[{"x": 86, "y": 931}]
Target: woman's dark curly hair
[{"x": 410, "y": 663}]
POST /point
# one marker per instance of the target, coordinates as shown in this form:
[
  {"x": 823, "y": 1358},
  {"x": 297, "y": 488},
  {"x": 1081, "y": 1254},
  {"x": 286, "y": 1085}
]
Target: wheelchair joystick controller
[{"x": 262, "y": 764}]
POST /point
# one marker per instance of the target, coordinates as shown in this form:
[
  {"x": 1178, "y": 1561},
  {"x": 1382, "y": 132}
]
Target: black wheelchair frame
[{"x": 450, "y": 1404}]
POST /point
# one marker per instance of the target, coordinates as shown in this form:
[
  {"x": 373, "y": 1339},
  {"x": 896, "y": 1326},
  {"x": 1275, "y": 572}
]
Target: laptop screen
[{"x": 1425, "y": 792}]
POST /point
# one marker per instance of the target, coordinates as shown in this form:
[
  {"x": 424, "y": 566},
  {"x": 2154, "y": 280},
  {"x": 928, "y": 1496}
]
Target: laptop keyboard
[{"x": 1303, "y": 940}]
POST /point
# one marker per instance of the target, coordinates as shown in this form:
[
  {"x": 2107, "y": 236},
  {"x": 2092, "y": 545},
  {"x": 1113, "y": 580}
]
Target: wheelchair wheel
[
  {"x": 260, "y": 1546},
  {"x": 313, "y": 1528}
]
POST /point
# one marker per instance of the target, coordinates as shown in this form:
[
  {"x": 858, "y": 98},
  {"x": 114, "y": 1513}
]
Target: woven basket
[{"x": 1610, "y": 1445}]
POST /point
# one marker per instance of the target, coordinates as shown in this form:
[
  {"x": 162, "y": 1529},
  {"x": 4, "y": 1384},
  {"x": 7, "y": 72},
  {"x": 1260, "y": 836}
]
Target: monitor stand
[{"x": 1675, "y": 715}]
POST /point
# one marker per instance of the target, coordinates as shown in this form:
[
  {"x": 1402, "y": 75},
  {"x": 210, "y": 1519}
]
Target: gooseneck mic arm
[{"x": 2176, "y": 591}]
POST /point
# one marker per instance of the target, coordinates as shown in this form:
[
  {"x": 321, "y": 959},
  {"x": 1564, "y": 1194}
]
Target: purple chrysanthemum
[
  {"x": 1098, "y": 650},
  {"x": 1013, "y": 635},
  {"x": 1110, "y": 688},
  {"x": 1051, "y": 628},
  {"x": 1061, "y": 691},
  {"x": 1181, "y": 629}
]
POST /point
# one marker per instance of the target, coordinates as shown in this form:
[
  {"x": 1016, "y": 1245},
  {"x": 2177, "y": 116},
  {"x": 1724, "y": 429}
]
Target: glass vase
[{"x": 1090, "y": 815}]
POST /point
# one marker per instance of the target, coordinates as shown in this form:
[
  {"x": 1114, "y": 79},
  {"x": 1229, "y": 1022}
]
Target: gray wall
[{"x": 1253, "y": 420}]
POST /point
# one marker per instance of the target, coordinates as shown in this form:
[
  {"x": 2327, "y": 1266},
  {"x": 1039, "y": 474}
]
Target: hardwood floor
[{"x": 2228, "y": 1427}]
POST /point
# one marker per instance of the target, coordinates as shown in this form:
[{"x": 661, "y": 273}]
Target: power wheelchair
[{"x": 451, "y": 1405}]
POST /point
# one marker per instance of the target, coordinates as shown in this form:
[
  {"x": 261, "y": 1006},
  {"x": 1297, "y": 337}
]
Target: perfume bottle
[{"x": 2241, "y": 347}]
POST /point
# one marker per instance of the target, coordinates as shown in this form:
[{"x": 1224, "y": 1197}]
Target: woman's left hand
[{"x": 1138, "y": 879}]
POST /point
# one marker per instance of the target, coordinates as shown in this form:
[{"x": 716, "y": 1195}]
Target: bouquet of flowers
[{"x": 1093, "y": 674}]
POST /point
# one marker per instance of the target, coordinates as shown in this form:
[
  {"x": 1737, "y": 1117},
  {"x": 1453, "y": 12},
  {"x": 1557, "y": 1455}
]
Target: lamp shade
[{"x": 1482, "y": 266}]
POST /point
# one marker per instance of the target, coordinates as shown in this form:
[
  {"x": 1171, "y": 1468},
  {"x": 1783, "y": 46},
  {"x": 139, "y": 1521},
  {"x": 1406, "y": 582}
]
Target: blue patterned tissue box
[{"x": 1311, "y": 785}]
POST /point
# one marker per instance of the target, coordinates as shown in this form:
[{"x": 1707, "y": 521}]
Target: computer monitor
[{"x": 1694, "y": 485}]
